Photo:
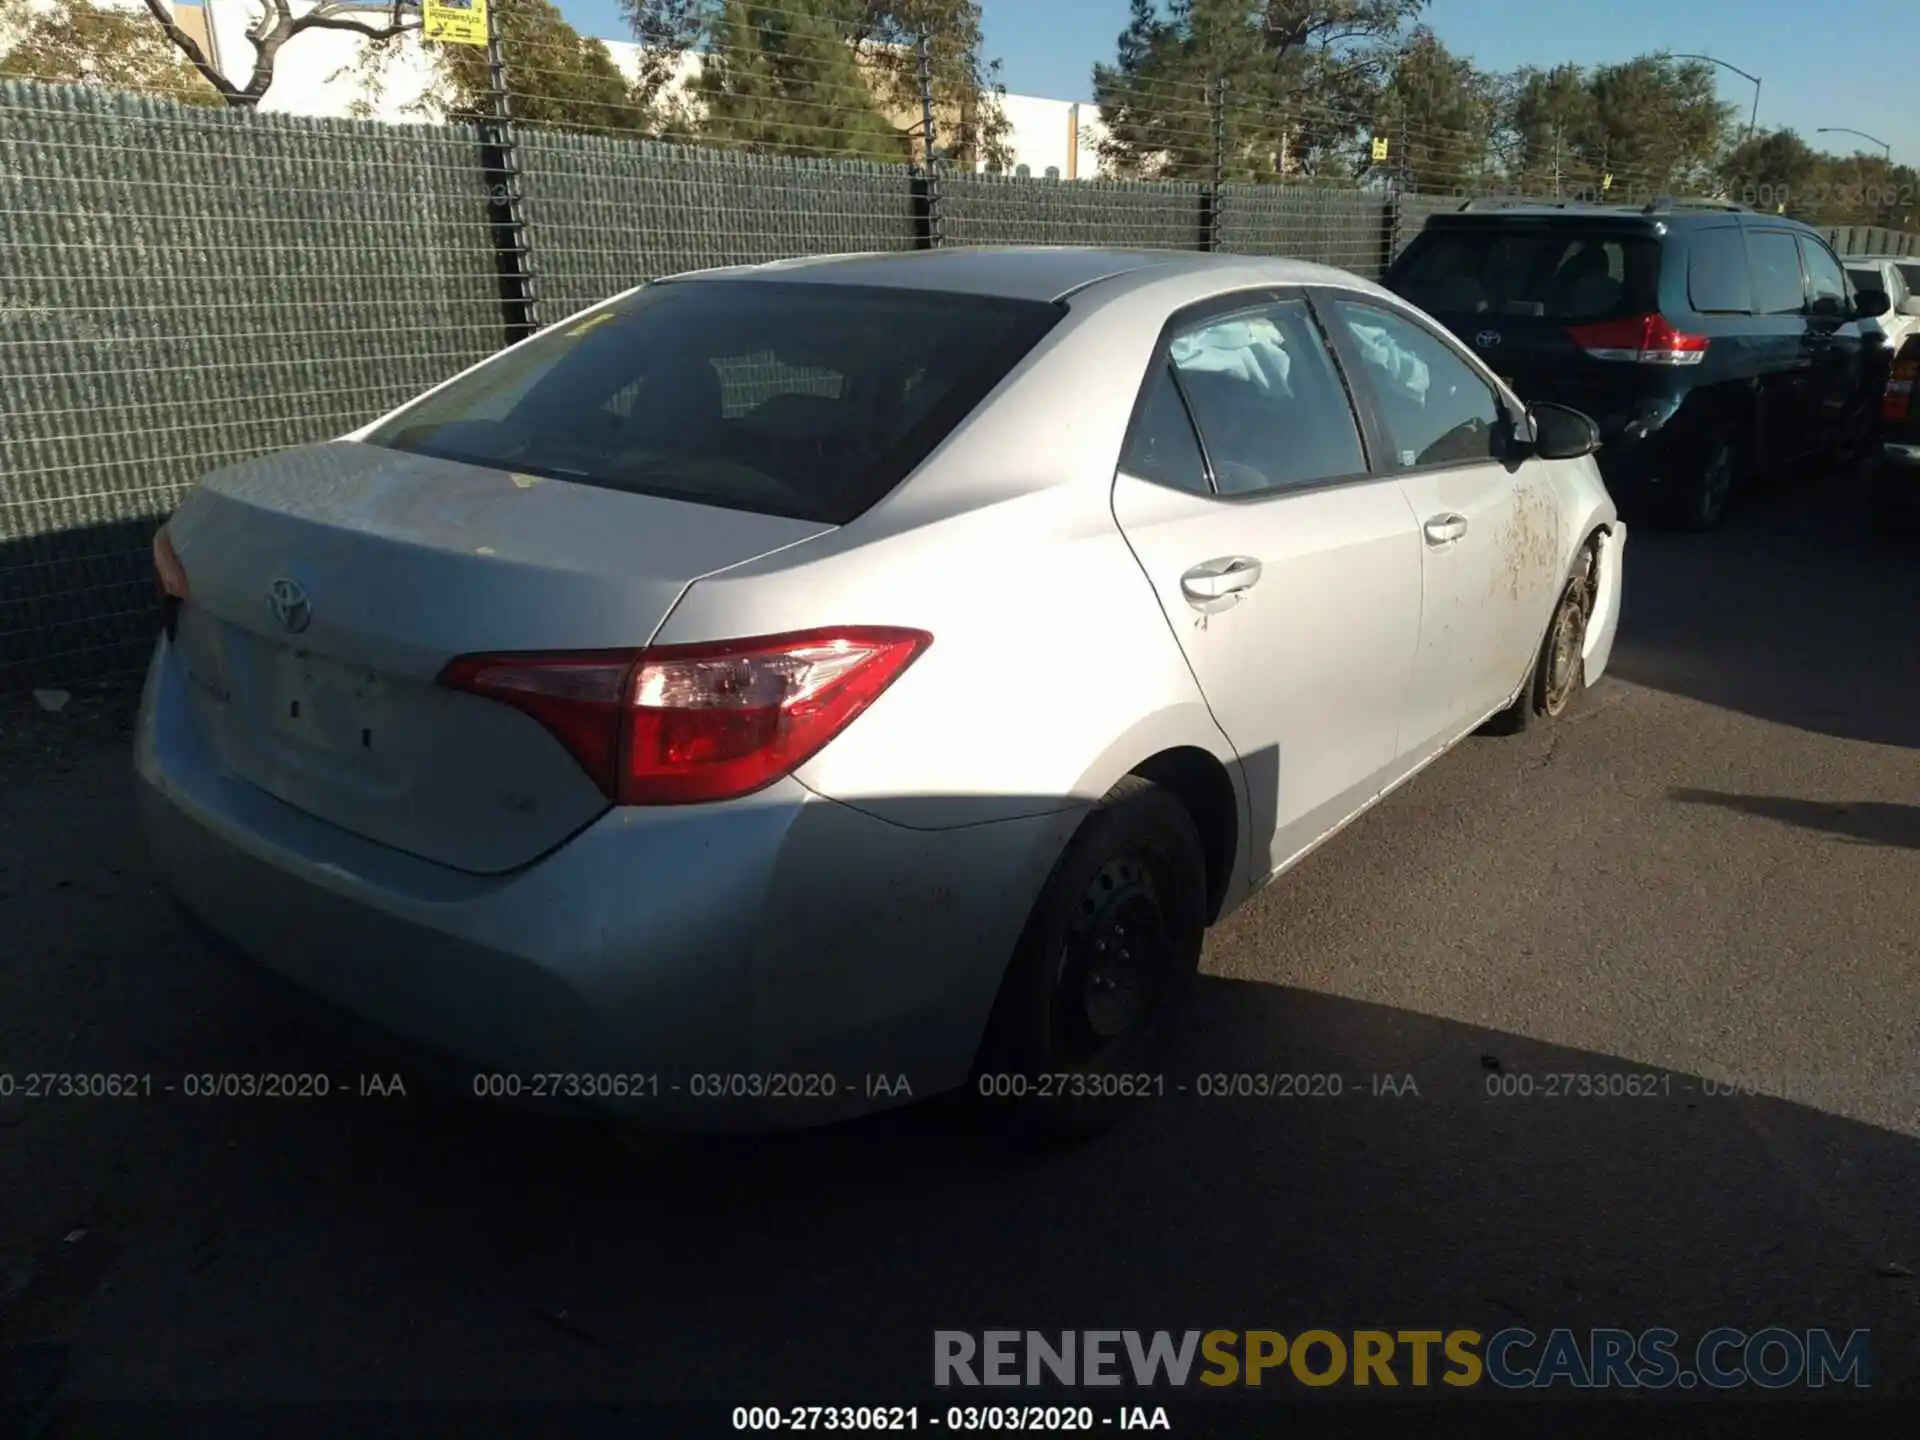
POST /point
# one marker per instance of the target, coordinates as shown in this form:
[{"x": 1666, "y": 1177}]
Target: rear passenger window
[
  {"x": 1717, "y": 279},
  {"x": 1777, "y": 286},
  {"x": 1162, "y": 447},
  {"x": 1270, "y": 407}
]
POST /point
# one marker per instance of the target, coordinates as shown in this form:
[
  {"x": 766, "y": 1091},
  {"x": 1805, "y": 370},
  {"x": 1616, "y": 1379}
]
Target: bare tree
[{"x": 275, "y": 25}]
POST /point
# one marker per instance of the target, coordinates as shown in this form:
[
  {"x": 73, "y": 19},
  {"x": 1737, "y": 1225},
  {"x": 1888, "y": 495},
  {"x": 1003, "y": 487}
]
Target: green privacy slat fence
[
  {"x": 607, "y": 214},
  {"x": 1012, "y": 210},
  {"x": 1307, "y": 222},
  {"x": 1873, "y": 240},
  {"x": 184, "y": 287}
]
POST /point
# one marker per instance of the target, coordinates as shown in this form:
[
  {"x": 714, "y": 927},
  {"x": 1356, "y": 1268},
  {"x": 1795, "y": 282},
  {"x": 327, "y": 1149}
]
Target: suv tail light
[
  {"x": 1899, "y": 396},
  {"x": 1644, "y": 339},
  {"x": 171, "y": 577},
  {"x": 685, "y": 724}
]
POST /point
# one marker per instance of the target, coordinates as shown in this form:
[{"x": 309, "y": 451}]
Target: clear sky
[{"x": 1855, "y": 66}]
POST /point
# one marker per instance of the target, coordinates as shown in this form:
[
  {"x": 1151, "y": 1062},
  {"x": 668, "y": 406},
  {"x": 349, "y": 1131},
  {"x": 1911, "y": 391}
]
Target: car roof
[
  {"x": 1014, "y": 272},
  {"x": 1578, "y": 211}
]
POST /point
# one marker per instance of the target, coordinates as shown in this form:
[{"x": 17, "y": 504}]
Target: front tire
[
  {"x": 1559, "y": 672},
  {"x": 1102, "y": 972}
]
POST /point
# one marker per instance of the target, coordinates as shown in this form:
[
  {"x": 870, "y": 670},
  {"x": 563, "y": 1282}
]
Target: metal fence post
[
  {"x": 1210, "y": 194},
  {"x": 927, "y": 200},
  {"x": 512, "y": 242},
  {"x": 1406, "y": 159}
]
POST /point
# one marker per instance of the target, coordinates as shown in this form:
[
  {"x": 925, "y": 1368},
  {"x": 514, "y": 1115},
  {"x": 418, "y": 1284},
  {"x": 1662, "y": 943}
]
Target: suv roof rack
[
  {"x": 1529, "y": 202},
  {"x": 1665, "y": 204}
]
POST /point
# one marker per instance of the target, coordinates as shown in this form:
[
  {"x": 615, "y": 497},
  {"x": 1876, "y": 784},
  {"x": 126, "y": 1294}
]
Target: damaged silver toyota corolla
[{"x": 782, "y": 691}]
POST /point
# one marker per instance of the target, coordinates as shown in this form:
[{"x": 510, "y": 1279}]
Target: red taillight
[
  {"x": 1644, "y": 339},
  {"x": 171, "y": 577},
  {"x": 1899, "y": 396},
  {"x": 682, "y": 724}
]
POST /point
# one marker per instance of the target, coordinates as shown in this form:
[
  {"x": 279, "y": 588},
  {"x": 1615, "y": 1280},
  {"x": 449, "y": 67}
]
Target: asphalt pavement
[{"x": 1708, "y": 880}]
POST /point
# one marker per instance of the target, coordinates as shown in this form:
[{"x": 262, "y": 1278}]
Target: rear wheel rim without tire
[{"x": 1114, "y": 964}]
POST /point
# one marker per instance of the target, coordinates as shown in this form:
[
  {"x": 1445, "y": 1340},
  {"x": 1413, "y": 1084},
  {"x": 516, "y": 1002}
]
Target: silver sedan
[{"x": 784, "y": 691}]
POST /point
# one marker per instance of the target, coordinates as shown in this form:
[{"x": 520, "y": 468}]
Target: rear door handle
[
  {"x": 1445, "y": 529},
  {"x": 1220, "y": 579}
]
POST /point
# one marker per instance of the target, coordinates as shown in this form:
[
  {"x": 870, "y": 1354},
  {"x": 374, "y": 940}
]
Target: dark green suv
[{"x": 1710, "y": 342}]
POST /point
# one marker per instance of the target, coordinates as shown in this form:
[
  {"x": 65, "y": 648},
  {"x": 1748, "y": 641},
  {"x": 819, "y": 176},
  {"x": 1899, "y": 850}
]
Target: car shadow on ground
[
  {"x": 1307, "y": 1162},
  {"x": 1794, "y": 613}
]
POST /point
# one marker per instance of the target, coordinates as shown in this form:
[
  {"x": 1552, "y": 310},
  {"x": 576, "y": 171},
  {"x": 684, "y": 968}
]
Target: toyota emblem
[
  {"x": 1487, "y": 339},
  {"x": 290, "y": 606}
]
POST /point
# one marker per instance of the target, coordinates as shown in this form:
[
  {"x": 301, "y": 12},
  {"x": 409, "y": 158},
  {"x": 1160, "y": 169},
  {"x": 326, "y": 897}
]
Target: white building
[{"x": 1055, "y": 139}]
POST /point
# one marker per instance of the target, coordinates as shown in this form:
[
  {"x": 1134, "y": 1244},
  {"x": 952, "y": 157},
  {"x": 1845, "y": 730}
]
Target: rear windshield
[
  {"x": 1911, "y": 274},
  {"x": 1865, "y": 278},
  {"x": 1556, "y": 272},
  {"x": 798, "y": 399}
]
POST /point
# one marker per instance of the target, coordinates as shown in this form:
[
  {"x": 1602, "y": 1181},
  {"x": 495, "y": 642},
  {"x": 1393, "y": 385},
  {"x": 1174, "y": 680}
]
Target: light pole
[
  {"x": 1843, "y": 130},
  {"x": 1885, "y": 148},
  {"x": 1753, "y": 117}
]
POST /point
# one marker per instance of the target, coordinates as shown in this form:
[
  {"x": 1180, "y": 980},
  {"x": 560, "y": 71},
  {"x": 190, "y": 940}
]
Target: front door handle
[
  {"x": 1220, "y": 579},
  {"x": 1445, "y": 529}
]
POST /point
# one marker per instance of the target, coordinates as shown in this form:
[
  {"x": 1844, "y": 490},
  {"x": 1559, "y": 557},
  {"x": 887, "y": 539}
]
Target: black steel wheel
[{"x": 1103, "y": 969}]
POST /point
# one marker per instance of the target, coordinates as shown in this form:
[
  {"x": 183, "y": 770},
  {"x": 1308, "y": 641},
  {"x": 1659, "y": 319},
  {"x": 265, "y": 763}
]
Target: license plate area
[{"x": 322, "y": 706}]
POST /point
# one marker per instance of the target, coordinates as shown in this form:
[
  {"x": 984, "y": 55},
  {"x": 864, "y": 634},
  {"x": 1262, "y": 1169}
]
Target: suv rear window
[
  {"x": 1866, "y": 278},
  {"x": 1910, "y": 272},
  {"x": 1555, "y": 272},
  {"x": 801, "y": 399}
]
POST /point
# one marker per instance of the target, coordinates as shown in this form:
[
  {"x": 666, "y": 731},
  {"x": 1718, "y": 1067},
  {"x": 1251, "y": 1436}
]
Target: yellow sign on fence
[
  {"x": 1379, "y": 147},
  {"x": 454, "y": 22}
]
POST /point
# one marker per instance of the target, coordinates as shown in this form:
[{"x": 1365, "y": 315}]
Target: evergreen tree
[
  {"x": 78, "y": 43},
  {"x": 785, "y": 79}
]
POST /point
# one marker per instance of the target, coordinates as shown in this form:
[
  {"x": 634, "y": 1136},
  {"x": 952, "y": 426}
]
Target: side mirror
[
  {"x": 1871, "y": 304},
  {"x": 1561, "y": 432}
]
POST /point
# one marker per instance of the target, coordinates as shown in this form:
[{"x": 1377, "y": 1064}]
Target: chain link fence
[{"x": 182, "y": 287}]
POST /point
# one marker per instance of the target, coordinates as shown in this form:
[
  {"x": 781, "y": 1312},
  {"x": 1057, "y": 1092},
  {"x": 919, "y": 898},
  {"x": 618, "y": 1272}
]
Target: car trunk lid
[{"x": 330, "y": 586}]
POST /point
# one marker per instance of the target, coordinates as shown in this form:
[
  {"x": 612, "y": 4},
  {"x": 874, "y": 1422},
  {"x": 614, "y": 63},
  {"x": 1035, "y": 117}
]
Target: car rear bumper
[{"x": 778, "y": 960}]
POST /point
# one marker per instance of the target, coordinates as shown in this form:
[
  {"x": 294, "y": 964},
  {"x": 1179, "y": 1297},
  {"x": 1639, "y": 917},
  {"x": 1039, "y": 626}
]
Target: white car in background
[{"x": 1899, "y": 280}]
